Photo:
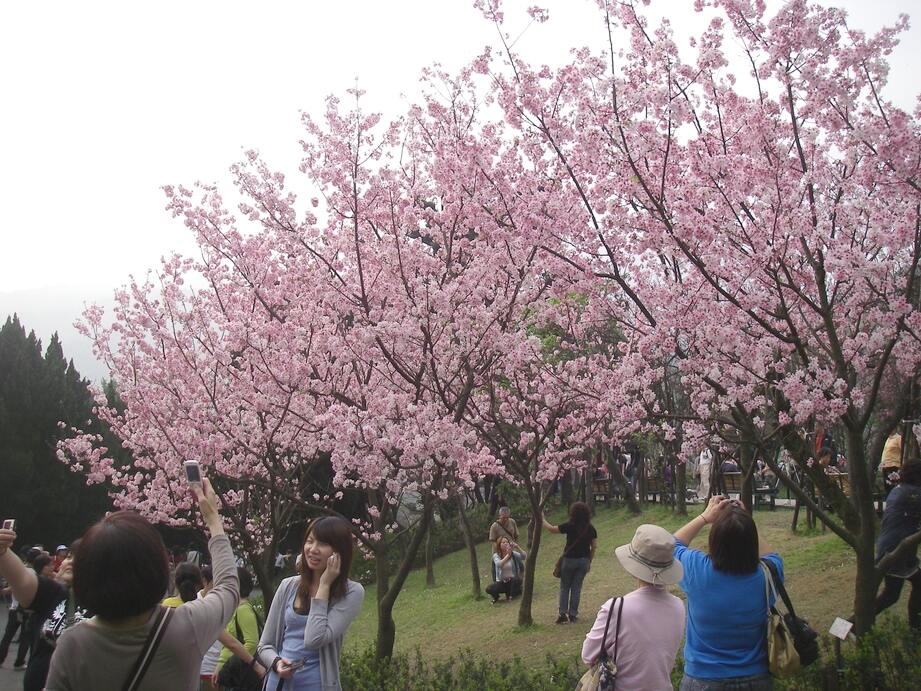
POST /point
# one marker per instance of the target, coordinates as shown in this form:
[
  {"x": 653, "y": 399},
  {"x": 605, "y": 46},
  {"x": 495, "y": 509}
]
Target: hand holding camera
[
  {"x": 7, "y": 535},
  {"x": 718, "y": 504},
  {"x": 205, "y": 496}
]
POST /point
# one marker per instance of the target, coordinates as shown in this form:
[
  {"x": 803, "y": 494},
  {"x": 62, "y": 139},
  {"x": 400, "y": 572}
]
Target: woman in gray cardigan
[{"x": 310, "y": 613}]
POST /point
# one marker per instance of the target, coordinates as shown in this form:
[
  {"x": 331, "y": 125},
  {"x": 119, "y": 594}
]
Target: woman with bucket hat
[{"x": 646, "y": 625}]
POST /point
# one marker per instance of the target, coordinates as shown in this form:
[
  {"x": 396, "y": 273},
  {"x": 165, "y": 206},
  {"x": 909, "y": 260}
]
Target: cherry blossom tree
[{"x": 767, "y": 236}]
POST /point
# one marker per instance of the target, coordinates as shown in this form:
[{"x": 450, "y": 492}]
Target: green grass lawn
[{"x": 445, "y": 619}]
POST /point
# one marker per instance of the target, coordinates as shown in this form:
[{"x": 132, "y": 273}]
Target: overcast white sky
[{"x": 104, "y": 102}]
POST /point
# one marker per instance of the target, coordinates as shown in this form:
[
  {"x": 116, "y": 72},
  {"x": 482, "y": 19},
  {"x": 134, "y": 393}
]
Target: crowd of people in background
[
  {"x": 102, "y": 621},
  {"x": 94, "y": 616}
]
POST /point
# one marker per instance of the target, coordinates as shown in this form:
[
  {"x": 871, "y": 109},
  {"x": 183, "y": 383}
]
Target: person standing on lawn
[{"x": 581, "y": 542}]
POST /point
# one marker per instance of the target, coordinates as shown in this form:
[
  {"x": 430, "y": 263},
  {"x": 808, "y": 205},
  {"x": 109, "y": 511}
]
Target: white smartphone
[
  {"x": 9, "y": 524},
  {"x": 192, "y": 472}
]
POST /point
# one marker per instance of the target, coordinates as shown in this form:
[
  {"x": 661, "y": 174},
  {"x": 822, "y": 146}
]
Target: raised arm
[
  {"x": 689, "y": 530},
  {"x": 210, "y": 614},
  {"x": 549, "y": 526},
  {"x": 23, "y": 581}
]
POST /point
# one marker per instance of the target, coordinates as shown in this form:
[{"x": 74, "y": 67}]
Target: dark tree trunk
[
  {"x": 641, "y": 475},
  {"x": 387, "y": 593},
  {"x": 866, "y": 581},
  {"x": 476, "y": 492},
  {"x": 566, "y": 488},
  {"x": 264, "y": 568},
  {"x": 386, "y": 628},
  {"x": 681, "y": 485},
  {"x": 865, "y": 585},
  {"x": 494, "y": 497},
  {"x": 429, "y": 557},
  {"x": 527, "y": 590},
  {"x": 471, "y": 549},
  {"x": 747, "y": 463},
  {"x": 617, "y": 474}
]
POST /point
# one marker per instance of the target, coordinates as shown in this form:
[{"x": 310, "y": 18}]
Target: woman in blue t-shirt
[{"x": 726, "y": 644}]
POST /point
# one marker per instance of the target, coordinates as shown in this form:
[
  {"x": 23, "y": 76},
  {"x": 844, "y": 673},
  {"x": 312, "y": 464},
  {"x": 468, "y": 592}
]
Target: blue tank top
[{"x": 307, "y": 678}]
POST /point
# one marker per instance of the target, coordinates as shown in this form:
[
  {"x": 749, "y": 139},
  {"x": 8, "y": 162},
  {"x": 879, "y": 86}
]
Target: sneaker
[
  {"x": 562, "y": 619},
  {"x": 19, "y": 667},
  {"x": 495, "y": 601},
  {"x": 573, "y": 618}
]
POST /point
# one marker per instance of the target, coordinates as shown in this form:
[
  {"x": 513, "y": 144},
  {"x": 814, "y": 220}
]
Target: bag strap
[
  {"x": 576, "y": 541},
  {"x": 607, "y": 623},
  {"x": 141, "y": 665},
  {"x": 779, "y": 587},
  {"x": 620, "y": 611},
  {"x": 260, "y": 625},
  {"x": 236, "y": 625},
  {"x": 70, "y": 609}
]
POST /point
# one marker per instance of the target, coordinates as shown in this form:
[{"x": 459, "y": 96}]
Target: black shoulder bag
[
  {"x": 237, "y": 675},
  {"x": 805, "y": 639},
  {"x": 602, "y": 675}
]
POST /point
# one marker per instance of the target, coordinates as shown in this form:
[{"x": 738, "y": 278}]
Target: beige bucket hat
[{"x": 650, "y": 556}]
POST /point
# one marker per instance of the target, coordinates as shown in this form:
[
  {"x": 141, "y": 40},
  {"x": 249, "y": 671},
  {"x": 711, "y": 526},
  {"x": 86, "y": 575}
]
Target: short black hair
[
  {"x": 40, "y": 562},
  {"x": 121, "y": 568},
  {"x": 734, "y": 542},
  {"x": 246, "y": 581},
  {"x": 910, "y": 472},
  {"x": 188, "y": 581}
]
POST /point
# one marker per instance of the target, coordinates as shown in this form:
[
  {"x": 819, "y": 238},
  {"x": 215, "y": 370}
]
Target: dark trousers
[
  {"x": 572, "y": 573},
  {"x": 15, "y": 619},
  {"x": 892, "y": 589},
  {"x": 511, "y": 588}
]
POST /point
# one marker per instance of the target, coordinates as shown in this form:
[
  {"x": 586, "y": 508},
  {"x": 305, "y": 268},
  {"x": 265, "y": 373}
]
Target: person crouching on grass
[{"x": 507, "y": 570}]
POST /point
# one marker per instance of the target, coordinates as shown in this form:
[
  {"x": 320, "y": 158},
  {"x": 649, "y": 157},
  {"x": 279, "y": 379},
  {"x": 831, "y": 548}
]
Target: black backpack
[{"x": 237, "y": 675}]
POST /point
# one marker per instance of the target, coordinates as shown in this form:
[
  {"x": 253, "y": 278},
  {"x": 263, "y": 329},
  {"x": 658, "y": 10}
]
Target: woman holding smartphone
[{"x": 311, "y": 612}]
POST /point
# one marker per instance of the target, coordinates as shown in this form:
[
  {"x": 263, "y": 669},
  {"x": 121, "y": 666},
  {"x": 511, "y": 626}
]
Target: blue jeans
[
  {"x": 756, "y": 683},
  {"x": 572, "y": 573}
]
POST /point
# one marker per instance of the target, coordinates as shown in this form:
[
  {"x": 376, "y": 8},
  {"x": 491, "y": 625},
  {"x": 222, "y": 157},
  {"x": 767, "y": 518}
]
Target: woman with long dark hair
[
  {"x": 507, "y": 571},
  {"x": 311, "y": 612},
  {"x": 726, "y": 643},
  {"x": 581, "y": 542}
]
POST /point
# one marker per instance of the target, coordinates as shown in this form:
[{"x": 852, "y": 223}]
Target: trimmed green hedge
[
  {"x": 363, "y": 672},
  {"x": 886, "y": 659}
]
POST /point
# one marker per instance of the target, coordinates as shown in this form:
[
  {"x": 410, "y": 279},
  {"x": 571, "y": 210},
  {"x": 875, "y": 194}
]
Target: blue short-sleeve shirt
[{"x": 726, "y": 618}]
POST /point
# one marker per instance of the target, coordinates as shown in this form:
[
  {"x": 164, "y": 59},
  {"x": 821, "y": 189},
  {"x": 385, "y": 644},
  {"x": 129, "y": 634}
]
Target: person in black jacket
[{"x": 902, "y": 518}]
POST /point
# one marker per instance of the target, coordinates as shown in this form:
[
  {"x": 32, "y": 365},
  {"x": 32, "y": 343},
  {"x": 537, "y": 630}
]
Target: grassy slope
[{"x": 442, "y": 620}]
